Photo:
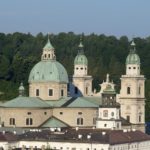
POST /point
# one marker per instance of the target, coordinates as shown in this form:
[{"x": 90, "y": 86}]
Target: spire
[
  {"x": 48, "y": 44},
  {"x": 133, "y": 47},
  {"x": 81, "y": 51},
  {"x": 48, "y": 51},
  {"x": 21, "y": 90}
]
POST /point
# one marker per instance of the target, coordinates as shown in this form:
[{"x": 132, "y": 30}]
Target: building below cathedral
[
  {"x": 52, "y": 105},
  {"x": 75, "y": 139}
]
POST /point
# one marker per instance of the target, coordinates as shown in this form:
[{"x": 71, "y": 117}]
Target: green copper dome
[
  {"x": 109, "y": 90},
  {"x": 81, "y": 59},
  {"x": 46, "y": 71},
  {"x": 133, "y": 58}
]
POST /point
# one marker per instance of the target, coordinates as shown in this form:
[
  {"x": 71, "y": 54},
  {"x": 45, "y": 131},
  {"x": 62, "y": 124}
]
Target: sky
[{"x": 109, "y": 17}]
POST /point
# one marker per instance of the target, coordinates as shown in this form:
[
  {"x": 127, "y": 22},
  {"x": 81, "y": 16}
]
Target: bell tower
[
  {"x": 81, "y": 81},
  {"x": 132, "y": 93}
]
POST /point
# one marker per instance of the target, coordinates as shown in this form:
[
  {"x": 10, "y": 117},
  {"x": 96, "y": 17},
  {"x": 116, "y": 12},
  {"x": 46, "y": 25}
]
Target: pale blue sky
[{"x": 110, "y": 17}]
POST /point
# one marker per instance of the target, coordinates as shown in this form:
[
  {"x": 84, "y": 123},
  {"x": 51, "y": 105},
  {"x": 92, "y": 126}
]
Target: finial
[
  {"x": 133, "y": 49},
  {"x": 81, "y": 51},
  {"x": 107, "y": 78},
  {"x": 80, "y": 44},
  {"x": 48, "y": 37}
]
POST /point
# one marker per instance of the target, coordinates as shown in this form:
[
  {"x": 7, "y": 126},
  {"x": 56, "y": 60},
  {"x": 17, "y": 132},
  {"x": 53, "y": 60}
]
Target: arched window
[
  {"x": 37, "y": 93},
  {"x": 139, "y": 118},
  {"x": 86, "y": 89},
  {"x": 79, "y": 121},
  {"x": 49, "y": 55},
  {"x": 29, "y": 121},
  {"x": 12, "y": 121},
  {"x": 128, "y": 90},
  {"x": 139, "y": 90},
  {"x": 50, "y": 92}
]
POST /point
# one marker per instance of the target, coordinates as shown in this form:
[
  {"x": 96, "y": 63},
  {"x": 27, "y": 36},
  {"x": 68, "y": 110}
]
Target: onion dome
[
  {"x": 133, "y": 57},
  {"x": 80, "y": 59}
]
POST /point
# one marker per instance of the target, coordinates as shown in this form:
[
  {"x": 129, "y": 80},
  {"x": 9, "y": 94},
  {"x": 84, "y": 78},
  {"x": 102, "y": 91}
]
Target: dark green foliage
[{"x": 19, "y": 52}]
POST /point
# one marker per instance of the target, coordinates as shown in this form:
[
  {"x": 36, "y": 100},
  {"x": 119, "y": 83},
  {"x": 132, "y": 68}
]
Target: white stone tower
[
  {"x": 109, "y": 111},
  {"x": 132, "y": 93},
  {"x": 82, "y": 82}
]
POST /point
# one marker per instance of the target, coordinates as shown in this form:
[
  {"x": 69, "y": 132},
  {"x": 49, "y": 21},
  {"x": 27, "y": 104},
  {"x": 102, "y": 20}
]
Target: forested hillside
[{"x": 19, "y": 52}]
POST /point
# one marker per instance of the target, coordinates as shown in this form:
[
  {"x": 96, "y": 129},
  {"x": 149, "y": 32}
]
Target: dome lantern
[
  {"x": 80, "y": 59},
  {"x": 21, "y": 90},
  {"x": 133, "y": 61},
  {"x": 48, "y": 52},
  {"x": 133, "y": 57}
]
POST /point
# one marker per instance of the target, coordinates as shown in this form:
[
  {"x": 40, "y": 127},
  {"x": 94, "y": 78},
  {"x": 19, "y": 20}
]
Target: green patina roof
[
  {"x": 46, "y": 71},
  {"x": 58, "y": 103},
  {"x": 81, "y": 59},
  {"x": 82, "y": 102},
  {"x": 48, "y": 45},
  {"x": 109, "y": 90},
  {"x": 54, "y": 123},
  {"x": 26, "y": 102},
  {"x": 133, "y": 58}
]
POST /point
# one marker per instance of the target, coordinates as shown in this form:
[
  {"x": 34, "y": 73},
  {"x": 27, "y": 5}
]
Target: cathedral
[{"x": 55, "y": 102}]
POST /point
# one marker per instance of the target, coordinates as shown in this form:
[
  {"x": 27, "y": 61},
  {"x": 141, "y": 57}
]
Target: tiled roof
[
  {"x": 34, "y": 102},
  {"x": 83, "y": 102},
  {"x": 96, "y": 136},
  {"x": 8, "y": 136},
  {"x": 53, "y": 122},
  {"x": 58, "y": 103},
  {"x": 26, "y": 102},
  {"x": 79, "y": 102}
]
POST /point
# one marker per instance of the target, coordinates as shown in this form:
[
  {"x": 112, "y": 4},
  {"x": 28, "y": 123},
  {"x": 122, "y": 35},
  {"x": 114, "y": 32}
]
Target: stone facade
[
  {"x": 71, "y": 115},
  {"x": 48, "y": 90},
  {"x": 35, "y": 117}
]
